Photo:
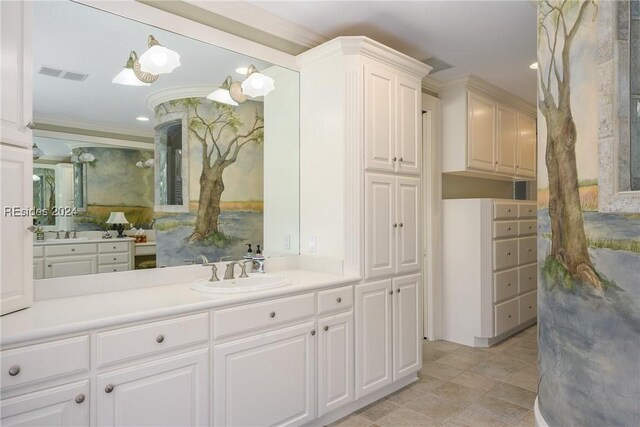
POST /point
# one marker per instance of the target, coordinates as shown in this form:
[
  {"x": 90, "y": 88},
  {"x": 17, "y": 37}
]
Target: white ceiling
[
  {"x": 495, "y": 40},
  {"x": 78, "y": 38}
]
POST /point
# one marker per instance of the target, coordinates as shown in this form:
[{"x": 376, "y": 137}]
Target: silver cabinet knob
[
  {"x": 509, "y": 316},
  {"x": 338, "y": 300},
  {"x": 160, "y": 339},
  {"x": 272, "y": 314},
  {"x": 14, "y": 370},
  {"x": 395, "y": 225},
  {"x": 32, "y": 228},
  {"x": 394, "y": 159},
  {"x": 114, "y": 259},
  {"x": 326, "y": 328},
  {"x": 390, "y": 291},
  {"x": 30, "y": 125},
  {"x": 508, "y": 253},
  {"x": 80, "y": 398},
  {"x": 401, "y": 225},
  {"x": 530, "y": 307},
  {"x": 73, "y": 249},
  {"x": 313, "y": 332},
  {"x": 401, "y": 159},
  {"x": 108, "y": 388},
  {"x": 508, "y": 284},
  {"x": 398, "y": 290}
]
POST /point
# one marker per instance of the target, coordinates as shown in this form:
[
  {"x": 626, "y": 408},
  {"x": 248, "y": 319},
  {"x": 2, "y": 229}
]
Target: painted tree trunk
[{"x": 211, "y": 189}]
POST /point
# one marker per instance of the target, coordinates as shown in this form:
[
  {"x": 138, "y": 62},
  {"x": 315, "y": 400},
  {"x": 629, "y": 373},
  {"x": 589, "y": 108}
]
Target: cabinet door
[
  {"x": 481, "y": 133},
  {"x": 173, "y": 391},
  {"x": 16, "y": 73},
  {"x": 38, "y": 268},
  {"x": 268, "y": 379},
  {"x": 335, "y": 362},
  {"x": 75, "y": 265},
  {"x": 406, "y": 326},
  {"x": 408, "y": 231},
  {"x": 379, "y": 118},
  {"x": 506, "y": 141},
  {"x": 526, "y": 157},
  {"x": 380, "y": 225},
  {"x": 66, "y": 405},
  {"x": 409, "y": 138},
  {"x": 16, "y": 272},
  {"x": 373, "y": 337}
]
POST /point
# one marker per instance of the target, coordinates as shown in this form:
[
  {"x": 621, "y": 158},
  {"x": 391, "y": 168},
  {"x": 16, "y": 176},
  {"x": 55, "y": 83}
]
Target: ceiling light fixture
[
  {"x": 222, "y": 94},
  {"x": 534, "y": 66},
  {"x": 256, "y": 83},
  {"x": 131, "y": 75},
  {"x": 158, "y": 59},
  {"x": 37, "y": 151},
  {"x": 242, "y": 70},
  {"x": 142, "y": 118},
  {"x": 36, "y": 178}
]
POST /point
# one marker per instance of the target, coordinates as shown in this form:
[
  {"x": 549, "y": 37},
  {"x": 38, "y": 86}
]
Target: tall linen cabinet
[{"x": 361, "y": 179}]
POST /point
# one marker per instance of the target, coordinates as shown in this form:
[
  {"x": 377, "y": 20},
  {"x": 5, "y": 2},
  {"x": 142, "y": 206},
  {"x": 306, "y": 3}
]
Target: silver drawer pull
[
  {"x": 114, "y": 247},
  {"x": 401, "y": 225},
  {"x": 390, "y": 291},
  {"x": 80, "y": 398},
  {"x": 509, "y": 316},
  {"x": 509, "y": 229},
  {"x": 73, "y": 250},
  {"x": 160, "y": 339},
  {"x": 394, "y": 159},
  {"x": 338, "y": 300},
  {"x": 108, "y": 388},
  {"x": 508, "y": 284},
  {"x": 529, "y": 249},
  {"x": 272, "y": 314},
  {"x": 395, "y": 225},
  {"x": 14, "y": 370},
  {"x": 398, "y": 290},
  {"x": 313, "y": 332},
  {"x": 30, "y": 125},
  {"x": 326, "y": 328},
  {"x": 401, "y": 159},
  {"x": 530, "y": 277},
  {"x": 114, "y": 259},
  {"x": 530, "y": 307},
  {"x": 508, "y": 253}
]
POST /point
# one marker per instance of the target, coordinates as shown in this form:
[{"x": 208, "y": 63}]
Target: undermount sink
[{"x": 255, "y": 282}]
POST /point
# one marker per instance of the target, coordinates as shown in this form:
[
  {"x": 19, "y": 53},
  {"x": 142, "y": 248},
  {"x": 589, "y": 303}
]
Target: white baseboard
[{"x": 540, "y": 422}]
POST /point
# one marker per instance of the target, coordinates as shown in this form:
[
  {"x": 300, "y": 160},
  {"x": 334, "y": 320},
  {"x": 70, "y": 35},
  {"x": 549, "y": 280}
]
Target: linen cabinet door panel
[
  {"x": 268, "y": 379},
  {"x": 526, "y": 156},
  {"x": 408, "y": 141},
  {"x": 374, "y": 344},
  {"x": 379, "y": 118},
  {"x": 406, "y": 326},
  {"x": 335, "y": 362},
  {"x": 169, "y": 392},
  {"x": 507, "y": 138},
  {"x": 75, "y": 265},
  {"x": 62, "y": 406},
  {"x": 380, "y": 225},
  {"x": 481, "y": 131},
  {"x": 408, "y": 248}
]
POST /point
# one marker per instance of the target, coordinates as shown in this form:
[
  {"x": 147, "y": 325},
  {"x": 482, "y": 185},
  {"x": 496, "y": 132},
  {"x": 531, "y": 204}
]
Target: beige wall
[{"x": 464, "y": 187}]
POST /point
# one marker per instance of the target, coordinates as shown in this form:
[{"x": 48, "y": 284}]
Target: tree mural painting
[
  {"x": 221, "y": 137},
  {"x": 568, "y": 239},
  {"x": 50, "y": 181}
]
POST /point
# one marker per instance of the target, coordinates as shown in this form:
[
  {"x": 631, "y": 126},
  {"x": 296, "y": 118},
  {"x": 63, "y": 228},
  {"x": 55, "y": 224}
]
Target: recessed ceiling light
[
  {"x": 534, "y": 66},
  {"x": 142, "y": 118},
  {"x": 242, "y": 70}
]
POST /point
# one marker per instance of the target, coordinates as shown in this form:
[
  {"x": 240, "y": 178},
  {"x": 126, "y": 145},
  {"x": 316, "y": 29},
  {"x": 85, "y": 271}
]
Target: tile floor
[{"x": 463, "y": 386}]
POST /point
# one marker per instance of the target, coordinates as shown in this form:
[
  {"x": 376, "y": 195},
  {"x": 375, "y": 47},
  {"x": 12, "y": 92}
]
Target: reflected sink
[
  {"x": 63, "y": 240},
  {"x": 255, "y": 282}
]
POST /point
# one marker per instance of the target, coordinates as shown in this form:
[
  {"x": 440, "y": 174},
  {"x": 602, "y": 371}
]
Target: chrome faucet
[
  {"x": 67, "y": 234},
  {"x": 228, "y": 273},
  {"x": 214, "y": 268}
]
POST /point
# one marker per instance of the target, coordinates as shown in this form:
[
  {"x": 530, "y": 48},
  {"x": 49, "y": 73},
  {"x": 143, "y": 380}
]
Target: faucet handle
[
  {"x": 243, "y": 273},
  {"x": 214, "y": 272},
  {"x": 224, "y": 258}
]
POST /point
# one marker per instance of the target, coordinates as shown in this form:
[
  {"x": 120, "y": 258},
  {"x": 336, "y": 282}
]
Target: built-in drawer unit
[
  {"x": 45, "y": 361},
  {"x": 114, "y": 258},
  {"x": 80, "y": 248},
  {"x": 505, "y": 210},
  {"x": 113, "y": 247},
  {"x": 505, "y": 285},
  {"x": 528, "y": 279},
  {"x": 150, "y": 338},
  {"x": 502, "y": 229},
  {"x": 38, "y": 251},
  {"x": 527, "y": 227},
  {"x": 528, "y": 306},
  {"x": 261, "y": 315},
  {"x": 110, "y": 268},
  {"x": 506, "y": 316},
  {"x": 527, "y": 211},
  {"x": 505, "y": 254},
  {"x": 335, "y": 300},
  {"x": 527, "y": 250}
]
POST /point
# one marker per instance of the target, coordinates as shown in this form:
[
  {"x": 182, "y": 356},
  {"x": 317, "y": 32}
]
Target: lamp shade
[
  {"x": 158, "y": 59},
  {"x": 37, "y": 151},
  {"x": 222, "y": 94},
  {"x": 128, "y": 77},
  {"x": 117, "y": 218},
  {"x": 256, "y": 83}
]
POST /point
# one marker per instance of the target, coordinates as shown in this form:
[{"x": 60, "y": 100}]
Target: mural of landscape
[{"x": 589, "y": 286}]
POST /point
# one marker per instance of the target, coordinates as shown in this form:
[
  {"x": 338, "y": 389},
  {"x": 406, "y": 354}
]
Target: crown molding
[
  {"x": 56, "y": 124},
  {"x": 184, "y": 92},
  {"x": 431, "y": 85}
]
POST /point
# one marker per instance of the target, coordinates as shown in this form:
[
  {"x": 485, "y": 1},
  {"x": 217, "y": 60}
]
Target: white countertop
[
  {"x": 62, "y": 316},
  {"x": 80, "y": 240}
]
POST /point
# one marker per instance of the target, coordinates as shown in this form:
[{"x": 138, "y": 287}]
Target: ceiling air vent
[
  {"x": 47, "y": 71},
  {"x": 77, "y": 77},
  {"x": 437, "y": 64},
  {"x": 67, "y": 75}
]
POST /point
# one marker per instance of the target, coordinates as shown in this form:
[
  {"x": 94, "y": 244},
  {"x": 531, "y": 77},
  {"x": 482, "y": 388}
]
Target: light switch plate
[{"x": 312, "y": 243}]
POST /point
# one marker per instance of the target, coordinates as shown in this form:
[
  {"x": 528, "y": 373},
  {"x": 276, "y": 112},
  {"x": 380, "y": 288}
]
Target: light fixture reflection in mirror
[
  {"x": 257, "y": 84},
  {"x": 222, "y": 93},
  {"x": 158, "y": 59},
  {"x": 128, "y": 76}
]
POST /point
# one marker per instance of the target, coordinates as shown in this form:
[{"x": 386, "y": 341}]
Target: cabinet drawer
[
  {"x": 528, "y": 306},
  {"x": 505, "y": 210},
  {"x": 38, "y": 251},
  {"x": 83, "y": 248},
  {"x": 505, "y": 229},
  {"x": 112, "y": 268},
  {"x": 114, "y": 258},
  {"x": 527, "y": 211},
  {"x": 505, "y": 285},
  {"x": 44, "y": 361},
  {"x": 335, "y": 300},
  {"x": 505, "y": 254},
  {"x": 528, "y": 278},
  {"x": 527, "y": 227},
  {"x": 150, "y": 338},
  {"x": 113, "y": 247},
  {"x": 251, "y": 317},
  {"x": 506, "y": 316},
  {"x": 527, "y": 250}
]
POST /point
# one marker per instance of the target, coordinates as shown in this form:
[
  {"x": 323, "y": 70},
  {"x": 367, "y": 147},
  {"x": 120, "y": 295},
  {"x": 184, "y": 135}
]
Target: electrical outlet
[
  {"x": 287, "y": 241},
  {"x": 312, "y": 243}
]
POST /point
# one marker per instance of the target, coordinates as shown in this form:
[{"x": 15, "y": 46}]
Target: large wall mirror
[{"x": 151, "y": 148}]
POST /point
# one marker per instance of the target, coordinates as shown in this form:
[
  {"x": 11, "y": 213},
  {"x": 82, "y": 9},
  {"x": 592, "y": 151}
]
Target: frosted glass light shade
[
  {"x": 117, "y": 218},
  {"x": 159, "y": 60},
  {"x": 223, "y": 96},
  {"x": 127, "y": 77},
  {"x": 37, "y": 151},
  {"x": 257, "y": 84},
  {"x": 86, "y": 157}
]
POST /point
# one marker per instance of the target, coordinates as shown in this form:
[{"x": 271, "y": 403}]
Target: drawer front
[
  {"x": 527, "y": 211},
  {"x": 83, "y": 248},
  {"x": 38, "y": 251},
  {"x": 527, "y": 227},
  {"x": 505, "y": 229},
  {"x": 528, "y": 280},
  {"x": 335, "y": 299},
  {"x": 505, "y": 210},
  {"x": 252, "y": 317},
  {"x": 113, "y": 247},
  {"x": 150, "y": 338},
  {"x": 506, "y": 316},
  {"x": 528, "y": 306},
  {"x": 114, "y": 258},
  {"x": 505, "y": 254},
  {"x": 505, "y": 285},
  {"x": 44, "y": 361},
  {"x": 527, "y": 250},
  {"x": 113, "y": 268}
]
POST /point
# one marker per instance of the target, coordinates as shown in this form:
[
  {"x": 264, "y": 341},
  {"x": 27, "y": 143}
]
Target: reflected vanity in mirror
[{"x": 195, "y": 152}]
